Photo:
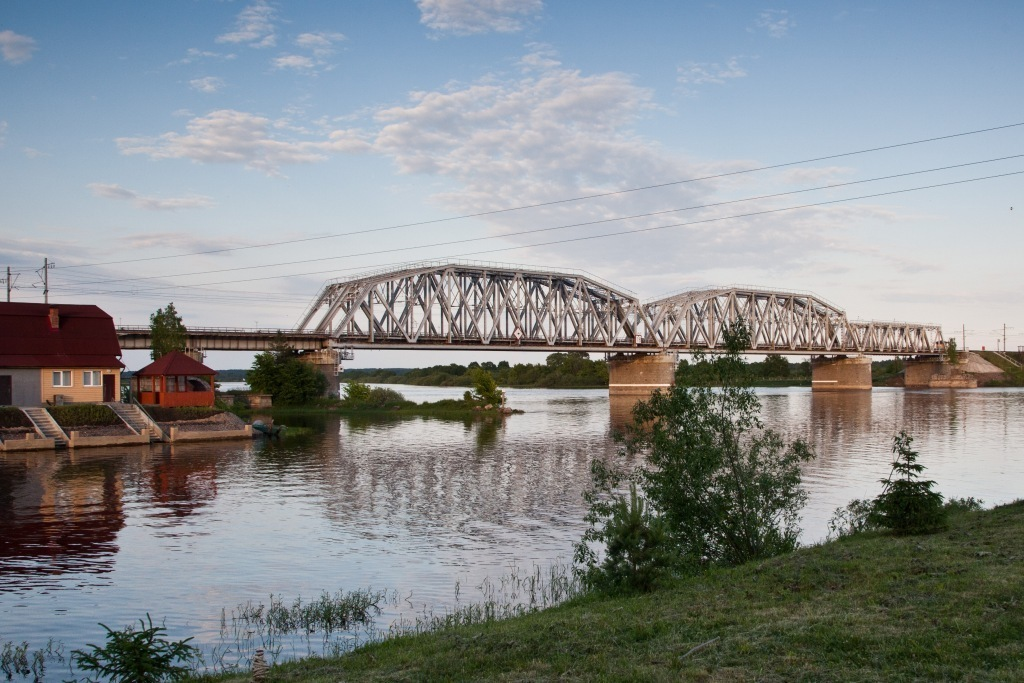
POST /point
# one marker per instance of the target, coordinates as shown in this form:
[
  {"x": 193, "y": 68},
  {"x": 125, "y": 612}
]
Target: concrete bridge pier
[
  {"x": 937, "y": 373},
  {"x": 841, "y": 373},
  {"x": 326, "y": 362},
  {"x": 195, "y": 354},
  {"x": 635, "y": 377}
]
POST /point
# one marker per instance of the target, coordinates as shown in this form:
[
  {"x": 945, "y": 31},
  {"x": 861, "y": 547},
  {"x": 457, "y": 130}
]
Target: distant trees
[
  {"x": 290, "y": 381},
  {"x": 572, "y": 369},
  {"x": 167, "y": 331}
]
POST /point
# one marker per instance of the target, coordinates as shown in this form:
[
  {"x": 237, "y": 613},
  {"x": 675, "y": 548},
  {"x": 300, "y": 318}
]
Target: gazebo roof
[{"x": 175, "y": 363}]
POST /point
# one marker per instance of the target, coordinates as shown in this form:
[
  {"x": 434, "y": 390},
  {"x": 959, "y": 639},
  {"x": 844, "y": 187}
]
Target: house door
[
  {"x": 6, "y": 390},
  {"x": 108, "y": 388}
]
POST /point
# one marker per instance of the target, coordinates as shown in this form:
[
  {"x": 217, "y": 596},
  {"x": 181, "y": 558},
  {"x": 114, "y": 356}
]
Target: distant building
[
  {"x": 58, "y": 353},
  {"x": 172, "y": 380}
]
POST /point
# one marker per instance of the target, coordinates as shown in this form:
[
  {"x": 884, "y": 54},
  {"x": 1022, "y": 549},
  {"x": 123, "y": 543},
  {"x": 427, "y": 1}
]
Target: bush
[
  {"x": 726, "y": 488},
  {"x": 13, "y": 417},
  {"x": 84, "y": 415},
  {"x": 142, "y": 656},
  {"x": 637, "y": 548},
  {"x": 906, "y": 505}
]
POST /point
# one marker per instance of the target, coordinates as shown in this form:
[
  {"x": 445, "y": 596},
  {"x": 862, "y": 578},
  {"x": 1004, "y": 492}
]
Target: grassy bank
[{"x": 946, "y": 606}]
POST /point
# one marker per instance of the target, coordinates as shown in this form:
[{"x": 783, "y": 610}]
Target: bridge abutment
[
  {"x": 326, "y": 362},
  {"x": 841, "y": 373},
  {"x": 634, "y": 378},
  {"x": 936, "y": 373}
]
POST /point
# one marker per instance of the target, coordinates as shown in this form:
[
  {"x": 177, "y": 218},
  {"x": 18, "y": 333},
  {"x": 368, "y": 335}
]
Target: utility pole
[
  {"x": 46, "y": 279},
  {"x": 963, "y": 335},
  {"x": 8, "y": 281},
  {"x": 1004, "y": 337}
]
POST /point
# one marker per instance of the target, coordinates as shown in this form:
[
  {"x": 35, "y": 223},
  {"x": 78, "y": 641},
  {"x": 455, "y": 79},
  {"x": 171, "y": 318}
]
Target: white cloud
[
  {"x": 701, "y": 73},
  {"x": 195, "y": 55},
  {"x": 776, "y": 22},
  {"x": 227, "y": 136},
  {"x": 207, "y": 84},
  {"x": 15, "y": 48},
  {"x": 298, "y": 62},
  {"x": 321, "y": 43},
  {"x": 254, "y": 26},
  {"x": 33, "y": 153},
  {"x": 467, "y": 17},
  {"x": 3, "y": 134},
  {"x": 116, "y": 192}
]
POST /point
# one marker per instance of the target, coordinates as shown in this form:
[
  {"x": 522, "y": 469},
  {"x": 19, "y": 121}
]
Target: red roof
[
  {"x": 83, "y": 338},
  {"x": 175, "y": 363}
]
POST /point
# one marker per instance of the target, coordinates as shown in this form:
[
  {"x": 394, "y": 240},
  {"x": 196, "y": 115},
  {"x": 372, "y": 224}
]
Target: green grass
[
  {"x": 1014, "y": 374},
  {"x": 872, "y": 607}
]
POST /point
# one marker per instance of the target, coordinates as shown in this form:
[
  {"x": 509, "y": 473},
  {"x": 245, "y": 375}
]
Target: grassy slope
[
  {"x": 948, "y": 606},
  {"x": 1015, "y": 375}
]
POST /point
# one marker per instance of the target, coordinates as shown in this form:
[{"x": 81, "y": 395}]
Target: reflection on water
[{"x": 408, "y": 504}]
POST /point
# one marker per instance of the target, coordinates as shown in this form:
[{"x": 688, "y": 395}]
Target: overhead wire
[
  {"x": 636, "y": 230},
  {"x": 556, "y": 202},
  {"x": 521, "y": 233}
]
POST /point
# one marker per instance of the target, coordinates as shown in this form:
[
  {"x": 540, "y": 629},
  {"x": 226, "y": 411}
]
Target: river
[{"x": 417, "y": 506}]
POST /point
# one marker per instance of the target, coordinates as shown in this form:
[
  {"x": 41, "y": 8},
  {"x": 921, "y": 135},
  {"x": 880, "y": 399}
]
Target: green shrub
[
  {"x": 13, "y": 417},
  {"x": 142, "y": 656},
  {"x": 906, "y": 505},
  {"x": 637, "y": 547},
  {"x": 84, "y": 415}
]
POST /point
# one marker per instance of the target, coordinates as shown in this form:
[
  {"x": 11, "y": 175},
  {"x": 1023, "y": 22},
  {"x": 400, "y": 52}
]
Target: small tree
[
  {"x": 486, "y": 387},
  {"x": 907, "y": 505},
  {"x": 167, "y": 331},
  {"x": 280, "y": 373},
  {"x": 726, "y": 488},
  {"x": 952, "y": 355},
  {"x": 139, "y": 656}
]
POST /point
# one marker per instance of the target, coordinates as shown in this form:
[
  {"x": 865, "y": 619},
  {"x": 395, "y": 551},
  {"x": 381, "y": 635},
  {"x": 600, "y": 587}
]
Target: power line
[
  {"x": 556, "y": 202},
  {"x": 630, "y": 232},
  {"x": 467, "y": 240}
]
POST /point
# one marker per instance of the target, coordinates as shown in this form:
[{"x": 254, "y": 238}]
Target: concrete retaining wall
[
  {"x": 175, "y": 435},
  {"x": 76, "y": 441},
  {"x": 31, "y": 442}
]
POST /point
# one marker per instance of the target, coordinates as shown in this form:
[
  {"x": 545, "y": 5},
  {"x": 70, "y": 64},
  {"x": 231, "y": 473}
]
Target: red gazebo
[{"x": 173, "y": 380}]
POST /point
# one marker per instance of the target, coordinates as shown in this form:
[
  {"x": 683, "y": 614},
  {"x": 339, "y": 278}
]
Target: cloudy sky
[{"x": 232, "y": 156}]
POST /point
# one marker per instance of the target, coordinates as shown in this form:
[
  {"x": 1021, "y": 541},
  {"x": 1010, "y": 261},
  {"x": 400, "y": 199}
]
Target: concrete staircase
[
  {"x": 137, "y": 419},
  {"x": 46, "y": 426}
]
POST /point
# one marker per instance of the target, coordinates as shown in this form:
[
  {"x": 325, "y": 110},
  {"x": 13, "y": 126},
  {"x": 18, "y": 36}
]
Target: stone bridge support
[
  {"x": 841, "y": 373},
  {"x": 635, "y": 377},
  {"x": 326, "y": 362},
  {"x": 936, "y": 373}
]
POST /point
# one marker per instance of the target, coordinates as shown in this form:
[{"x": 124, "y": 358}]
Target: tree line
[{"x": 574, "y": 369}]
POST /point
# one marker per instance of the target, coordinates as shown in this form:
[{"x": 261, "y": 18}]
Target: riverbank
[{"x": 873, "y": 607}]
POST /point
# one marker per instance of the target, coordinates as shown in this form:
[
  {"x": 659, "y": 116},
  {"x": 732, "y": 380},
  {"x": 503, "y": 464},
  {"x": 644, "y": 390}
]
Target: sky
[{"x": 231, "y": 157}]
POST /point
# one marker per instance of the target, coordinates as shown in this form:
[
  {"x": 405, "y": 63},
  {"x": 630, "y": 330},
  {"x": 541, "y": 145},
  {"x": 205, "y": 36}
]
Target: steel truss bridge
[{"x": 469, "y": 306}]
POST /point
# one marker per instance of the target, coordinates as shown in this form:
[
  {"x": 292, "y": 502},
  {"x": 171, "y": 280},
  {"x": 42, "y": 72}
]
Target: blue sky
[{"x": 154, "y": 150}]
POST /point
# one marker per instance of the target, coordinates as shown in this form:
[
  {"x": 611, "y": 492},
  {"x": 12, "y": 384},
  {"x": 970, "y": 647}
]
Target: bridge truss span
[{"x": 464, "y": 306}]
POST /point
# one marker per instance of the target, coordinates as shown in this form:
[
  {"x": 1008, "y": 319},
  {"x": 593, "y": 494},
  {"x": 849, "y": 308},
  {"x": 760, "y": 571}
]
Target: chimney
[{"x": 54, "y": 318}]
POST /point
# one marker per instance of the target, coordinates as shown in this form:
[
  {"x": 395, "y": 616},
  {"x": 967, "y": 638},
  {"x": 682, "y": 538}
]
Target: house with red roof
[
  {"x": 58, "y": 353},
  {"x": 172, "y": 380}
]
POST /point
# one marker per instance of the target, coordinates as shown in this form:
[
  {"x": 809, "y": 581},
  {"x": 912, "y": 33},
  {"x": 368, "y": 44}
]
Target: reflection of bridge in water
[{"x": 463, "y": 306}]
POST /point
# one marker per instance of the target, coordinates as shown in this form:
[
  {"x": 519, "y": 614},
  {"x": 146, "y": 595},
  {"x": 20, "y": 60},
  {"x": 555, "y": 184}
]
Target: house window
[
  {"x": 92, "y": 378},
  {"x": 62, "y": 378}
]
